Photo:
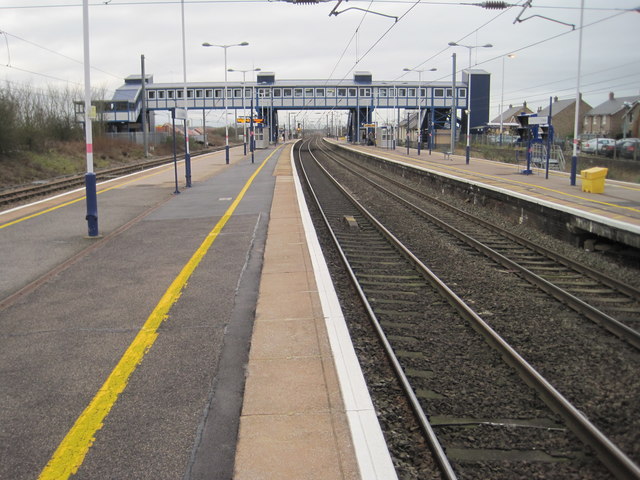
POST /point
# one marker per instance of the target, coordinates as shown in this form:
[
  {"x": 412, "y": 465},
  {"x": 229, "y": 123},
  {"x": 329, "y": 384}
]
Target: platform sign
[
  {"x": 538, "y": 120},
  {"x": 369, "y": 125},
  {"x": 181, "y": 114},
  {"x": 248, "y": 120}
]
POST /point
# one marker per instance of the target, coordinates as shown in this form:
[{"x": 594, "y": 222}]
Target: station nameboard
[
  {"x": 538, "y": 120},
  {"x": 248, "y": 120}
]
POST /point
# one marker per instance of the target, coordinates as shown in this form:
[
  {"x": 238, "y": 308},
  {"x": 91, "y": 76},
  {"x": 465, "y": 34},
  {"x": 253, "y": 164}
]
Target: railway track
[
  {"x": 483, "y": 421},
  {"x": 611, "y": 303},
  {"x": 25, "y": 193}
]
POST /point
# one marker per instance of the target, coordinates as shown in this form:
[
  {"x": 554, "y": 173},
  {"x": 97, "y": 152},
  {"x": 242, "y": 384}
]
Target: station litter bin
[{"x": 593, "y": 179}]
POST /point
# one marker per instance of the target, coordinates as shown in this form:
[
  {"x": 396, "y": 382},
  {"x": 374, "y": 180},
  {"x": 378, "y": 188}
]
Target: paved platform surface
[
  {"x": 620, "y": 201},
  {"x": 307, "y": 413},
  {"x": 125, "y": 356},
  {"x": 293, "y": 408}
]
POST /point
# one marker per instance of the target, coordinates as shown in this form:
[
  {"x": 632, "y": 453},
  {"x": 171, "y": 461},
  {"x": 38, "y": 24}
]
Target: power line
[
  {"x": 541, "y": 97},
  {"x": 444, "y": 49},
  {"x": 112, "y": 3},
  {"x": 55, "y": 53},
  {"x": 572, "y": 78},
  {"x": 382, "y": 36},
  {"x": 41, "y": 74}
]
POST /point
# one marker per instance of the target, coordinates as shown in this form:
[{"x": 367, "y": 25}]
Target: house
[
  {"x": 563, "y": 114},
  {"x": 509, "y": 118},
  {"x": 614, "y": 118},
  {"x": 441, "y": 136}
]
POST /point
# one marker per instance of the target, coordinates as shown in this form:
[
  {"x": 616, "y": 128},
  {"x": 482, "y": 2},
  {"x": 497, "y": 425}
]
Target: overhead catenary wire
[
  {"x": 524, "y": 47},
  {"x": 44, "y": 75},
  {"x": 115, "y": 3},
  {"x": 75, "y": 60},
  {"x": 444, "y": 49}
]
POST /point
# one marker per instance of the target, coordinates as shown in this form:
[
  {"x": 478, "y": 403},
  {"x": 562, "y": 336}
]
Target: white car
[{"x": 595, "y": 145}]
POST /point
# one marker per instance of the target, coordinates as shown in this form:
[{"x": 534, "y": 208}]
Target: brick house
[
  {"x": 611, "y": 118},
  {"x": 509, "y": 118},
  {"x": 563, "y": 116}
]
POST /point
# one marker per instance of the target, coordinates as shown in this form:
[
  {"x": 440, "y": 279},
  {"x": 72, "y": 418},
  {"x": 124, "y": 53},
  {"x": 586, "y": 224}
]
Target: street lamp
[
  {"x": 226, "y": 124},
  {"x": 244, "y": 123},
  {"x": 510, "y": 55},
  {"x": 419, "y": 96},
  {"x": 469, "y": 47}
]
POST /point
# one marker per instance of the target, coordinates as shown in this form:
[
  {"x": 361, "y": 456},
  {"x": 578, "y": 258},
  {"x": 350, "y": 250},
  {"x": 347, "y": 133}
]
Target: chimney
[
  {"x": 510, "y": 106},
  {"x": 555, "y": 99},
  {"x": 539, "y": 109},
  {"x": 524, "y": 104},
  {"x": 611, "y": 96}
]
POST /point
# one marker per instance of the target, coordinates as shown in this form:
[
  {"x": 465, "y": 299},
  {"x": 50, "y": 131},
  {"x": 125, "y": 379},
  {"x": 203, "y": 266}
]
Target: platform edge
[{"x": 372, "y": 455}]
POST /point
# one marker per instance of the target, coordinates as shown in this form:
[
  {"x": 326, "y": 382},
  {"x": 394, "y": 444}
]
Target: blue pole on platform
[
  {"x": 549, "y": 139},
  {"x": 252, "y": 145},
  {"x": 187, "y": 155},
  {"x": 175, "y": 159},
  {"x": 419, "y": 128},
  {"x": 528, "y": 171},
  {"x": 431, "y": 127},
  {"x": 407, "y": 134},
  {"x": 92, "y": 203},
  {"x": 90, "y": 177},
  {"x": 576, "y": 125}
]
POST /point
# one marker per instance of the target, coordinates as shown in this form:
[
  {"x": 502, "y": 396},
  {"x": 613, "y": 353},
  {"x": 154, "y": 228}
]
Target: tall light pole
[
  {"x": 576, "y": 129},
  {"x": 454, "y": 105},
  {"x": 187, "y": 155},
  {"x": 244, "y": 123},
  {"x": 226, "y": 123},
  {"x": 90, "y": 176},
  {"x": 510, "y": 55},
  {"x": 469, "y": 47},
  {"x": 419, "y": 96}
]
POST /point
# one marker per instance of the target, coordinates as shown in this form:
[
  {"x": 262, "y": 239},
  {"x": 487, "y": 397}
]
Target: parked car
[
  {"x": 613, "y": 150},
  {"x": 506, "y": 139},
  {"x": 630, "y": 148},
  {"x": 596, "y": 145}
]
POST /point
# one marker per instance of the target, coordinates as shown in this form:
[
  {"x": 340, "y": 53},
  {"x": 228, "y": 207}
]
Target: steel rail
[
  {"x": 606, "y": 321},
  {"x": 432, "y": 439},
  {"x": 567, "y": 262},
  {"x": 11, "y": 196},
  {"x": 618, "y": 463}
]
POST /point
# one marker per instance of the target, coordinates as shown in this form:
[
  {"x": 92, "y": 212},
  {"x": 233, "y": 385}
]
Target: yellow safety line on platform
[
  {"x": 70, "y": 454},
  {"x": 71, "y": 202},
  {"x": 501, "y": 179}
]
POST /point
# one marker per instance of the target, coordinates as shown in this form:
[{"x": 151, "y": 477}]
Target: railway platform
[
  {"x": 199, "y": 337},
  {"x": 552, "y": 205}
]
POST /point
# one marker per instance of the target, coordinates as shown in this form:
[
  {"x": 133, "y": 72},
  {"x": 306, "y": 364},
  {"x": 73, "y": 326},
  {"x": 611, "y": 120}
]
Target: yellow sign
[{"x": 248, "y": 120}]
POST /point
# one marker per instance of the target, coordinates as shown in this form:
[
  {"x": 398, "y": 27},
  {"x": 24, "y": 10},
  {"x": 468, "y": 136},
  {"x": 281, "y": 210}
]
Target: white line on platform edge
[{"x": 372, "y": 454}]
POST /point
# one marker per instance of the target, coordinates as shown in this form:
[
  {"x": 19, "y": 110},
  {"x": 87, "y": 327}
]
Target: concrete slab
[
  {"x": 307, "y": 441},
  {"x": 294, "y": 421}
]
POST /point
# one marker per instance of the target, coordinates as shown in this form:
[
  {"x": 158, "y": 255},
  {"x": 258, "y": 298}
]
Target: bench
[{"x": 447, "y": 155}]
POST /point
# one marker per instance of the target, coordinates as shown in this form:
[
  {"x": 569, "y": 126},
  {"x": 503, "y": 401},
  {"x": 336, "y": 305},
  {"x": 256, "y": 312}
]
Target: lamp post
[
  {"x": 469, "y": 47},
  {"x": 90, "y": 176},
  {"x": 226, "y": 124},
  {"x": 510, "y": 55},
  {"x": 244, "y": 123},
  {"x": 576, "y": 129},
  {"x": 419, "y": 96}
]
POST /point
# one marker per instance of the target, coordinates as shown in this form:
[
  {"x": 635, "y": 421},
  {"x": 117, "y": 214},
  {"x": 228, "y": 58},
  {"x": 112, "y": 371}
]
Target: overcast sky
[{"x": 41, "y": 43}]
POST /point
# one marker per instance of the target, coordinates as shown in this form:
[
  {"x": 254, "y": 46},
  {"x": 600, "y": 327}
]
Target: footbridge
[{"x": 437, "y": 101}]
